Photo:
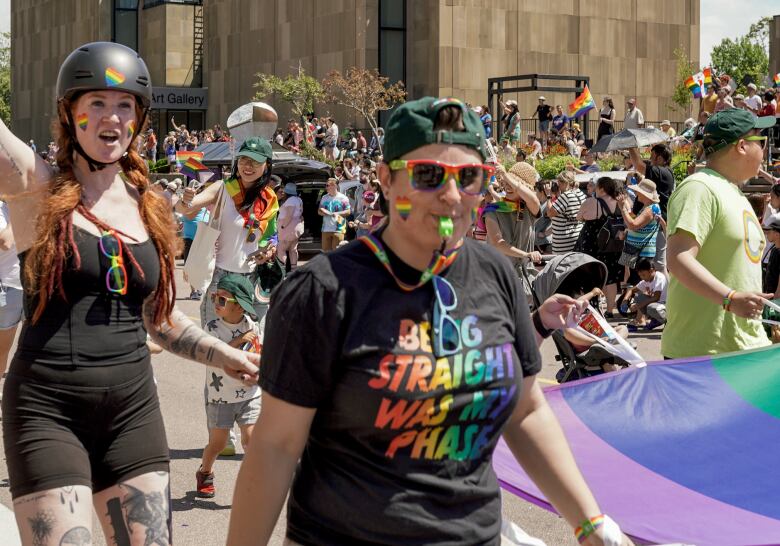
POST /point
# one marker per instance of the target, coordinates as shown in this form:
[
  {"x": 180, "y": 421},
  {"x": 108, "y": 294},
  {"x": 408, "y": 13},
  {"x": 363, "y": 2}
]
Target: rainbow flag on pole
[
  {"x": 582, "y": 104},
  {"x": 183, "y": 156},
  {"x": 192, "y": 167},
  {"x": 707, "y": 72},
  {"x": 776, "y": 79},
  {"x": 695, "y": 84}
]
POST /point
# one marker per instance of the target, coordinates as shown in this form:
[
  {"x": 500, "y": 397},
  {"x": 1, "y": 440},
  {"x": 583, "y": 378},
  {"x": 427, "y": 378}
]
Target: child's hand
[{"x": 249, "y": 337}]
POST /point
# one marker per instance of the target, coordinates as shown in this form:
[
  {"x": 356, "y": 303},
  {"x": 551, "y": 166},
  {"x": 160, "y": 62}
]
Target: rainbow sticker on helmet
[
  {"x": 114, "y": 77},
  {"x": 81, "y": 121}
]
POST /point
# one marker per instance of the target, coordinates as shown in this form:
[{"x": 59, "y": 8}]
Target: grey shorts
[
  {"x": 11, "y": 313},
  {"x": 225, "y": 415}
]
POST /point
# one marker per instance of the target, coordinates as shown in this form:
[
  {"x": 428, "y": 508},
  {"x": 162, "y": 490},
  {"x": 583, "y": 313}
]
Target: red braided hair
[{"x": 54, "y": 245}]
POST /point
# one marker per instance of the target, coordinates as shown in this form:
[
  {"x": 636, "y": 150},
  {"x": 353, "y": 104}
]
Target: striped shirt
[
  {"x": 645, "y": 238},
  {"x": 565, "y": 227}
]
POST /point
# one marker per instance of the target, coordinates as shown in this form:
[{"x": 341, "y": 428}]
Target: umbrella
[
  {"x": 630, "y": 138},
  {"x": 678, "y": 451}
]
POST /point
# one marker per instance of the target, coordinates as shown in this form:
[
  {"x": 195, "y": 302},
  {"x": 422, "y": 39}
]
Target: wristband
[
  {"x": 540, "y": 328},
  {"x": 611, "y": 534},
  {"x": 727, "y": 300}
]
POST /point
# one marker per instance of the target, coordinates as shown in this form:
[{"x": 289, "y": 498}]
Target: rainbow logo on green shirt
[
  {"x": 81, "y": 120},
  {"x": 114, "y": 77}
]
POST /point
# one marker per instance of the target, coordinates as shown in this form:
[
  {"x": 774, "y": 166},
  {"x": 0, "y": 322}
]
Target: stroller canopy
[{"x": 585, "y": 269}]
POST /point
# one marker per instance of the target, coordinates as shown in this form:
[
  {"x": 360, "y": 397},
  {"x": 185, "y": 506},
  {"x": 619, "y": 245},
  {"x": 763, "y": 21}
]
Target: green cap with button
[
  {"x": 411, "y": 127},
  {"x": 256, "y": 148},
  {"x": 728, "y": 126}
]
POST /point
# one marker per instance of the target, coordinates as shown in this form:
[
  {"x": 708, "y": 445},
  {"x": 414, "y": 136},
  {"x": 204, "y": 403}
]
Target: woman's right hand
[
  {"x": 240, "y": 365},
  {"x": 189, "y": 195},
  {"x": 749, "y": 305}
]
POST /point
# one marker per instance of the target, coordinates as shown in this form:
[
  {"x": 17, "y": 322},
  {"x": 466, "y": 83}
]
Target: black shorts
[
  {"x": 88, "y": 425},
  {"x": 187, "y": 247}
]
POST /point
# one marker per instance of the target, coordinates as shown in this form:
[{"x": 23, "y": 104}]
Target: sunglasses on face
[
  {"x": 249, "y": 162},
  {"x": 221, "y": 301},
  {"x": 116, "y": 277},
  {"x": 756, "y": 138},
  {"x": 446, "y": 332},
  {"x": 430, "y": 175}
]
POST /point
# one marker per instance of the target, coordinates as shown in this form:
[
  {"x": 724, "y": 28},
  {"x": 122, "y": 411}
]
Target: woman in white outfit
[{"x": 290, "y": 225}]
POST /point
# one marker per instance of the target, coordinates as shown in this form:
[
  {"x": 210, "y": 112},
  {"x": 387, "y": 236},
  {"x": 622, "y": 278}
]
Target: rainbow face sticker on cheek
[
  {"x": 404, "y": 207},
  {"x": 82, "y": 120},
  {"x": 130, "y": 129}
]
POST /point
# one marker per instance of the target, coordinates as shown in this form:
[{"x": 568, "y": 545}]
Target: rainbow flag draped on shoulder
[
  {"x": 679, "y": 451},
  {"x": 260, "y": 217},
  {"x": 582, "y": 104}
]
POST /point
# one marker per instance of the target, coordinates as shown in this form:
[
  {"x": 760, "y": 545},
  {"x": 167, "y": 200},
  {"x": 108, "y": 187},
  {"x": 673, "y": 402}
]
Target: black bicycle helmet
[{"x": 108, "y": 66}]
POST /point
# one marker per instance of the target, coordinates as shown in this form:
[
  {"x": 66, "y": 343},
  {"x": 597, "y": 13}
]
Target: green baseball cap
[
  {"x": 256, "y": 148},
  {"x": 728, "y": 126},
  {"x": 411, "y": 127},
  {"x": 241, "y": 288}
]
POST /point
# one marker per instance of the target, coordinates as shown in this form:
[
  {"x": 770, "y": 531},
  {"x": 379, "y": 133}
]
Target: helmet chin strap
[{"x": 94, "y": 164}]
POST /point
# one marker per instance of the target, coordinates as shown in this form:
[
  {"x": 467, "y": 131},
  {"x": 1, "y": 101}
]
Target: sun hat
[
  {"x": 665, "y": 122},
  {"x": 542, "y": 97},
  {"x": 728, "y": 126},
  {"x": 647, "y": 188},
  {"x": 522, "y": 173},
  {"x": 511, "y": 102},
  {"x": 290, "y": 188},
  {"x": 256, "y": 148},
  {"x": 752, "y": 86},
  {"x": 411, "y": 127},
  {"x": 239, "y": 287}
]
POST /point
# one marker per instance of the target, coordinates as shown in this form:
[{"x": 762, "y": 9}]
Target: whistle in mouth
[{"x": 445, "y": 227}]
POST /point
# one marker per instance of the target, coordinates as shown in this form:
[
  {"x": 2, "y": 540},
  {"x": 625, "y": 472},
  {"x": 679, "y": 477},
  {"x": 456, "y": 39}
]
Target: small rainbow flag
[
  {"x": 183, "y": 156},
  {"x": 114, "y": 77},
  {"x": 82, "y": 121},
  {"x": 693, "y": 85},
  {"x": 582, "y": 104},
  {"x": 776, "y": 79},
  {"x": 192, "y": 166},
  {"x": 707, "y": 73},
  {"x": 404, "y": 207}
]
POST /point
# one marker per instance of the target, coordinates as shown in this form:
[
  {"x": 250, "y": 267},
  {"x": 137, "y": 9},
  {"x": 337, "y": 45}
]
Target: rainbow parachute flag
[
  {"x": 776, "y": 79},
  {"x": 582, "y": 104},
  {"x": 192, "y": 166},
  {"x": 681, "y": 451}
]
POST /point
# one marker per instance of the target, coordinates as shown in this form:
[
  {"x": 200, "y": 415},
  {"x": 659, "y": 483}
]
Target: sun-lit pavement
[{"x": 205, "y": 521}]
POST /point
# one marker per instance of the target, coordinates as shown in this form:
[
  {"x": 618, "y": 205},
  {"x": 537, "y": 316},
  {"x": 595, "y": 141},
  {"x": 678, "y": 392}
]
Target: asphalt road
[{"x": 205, "y": 521}]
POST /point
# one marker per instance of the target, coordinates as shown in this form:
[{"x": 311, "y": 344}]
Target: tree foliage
[
  {"x": 5, "y": 77},
  {"x": 681, "y": 97},
  {"x": 739, "y": 58},
  {"x": 365, "y": 91},
  {"x": 299, "y": 90},
  {"x": 759, "y": 32}
]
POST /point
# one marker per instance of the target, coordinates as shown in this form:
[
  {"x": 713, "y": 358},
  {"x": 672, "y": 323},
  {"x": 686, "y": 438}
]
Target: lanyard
[{"x": 439, "y": 262}]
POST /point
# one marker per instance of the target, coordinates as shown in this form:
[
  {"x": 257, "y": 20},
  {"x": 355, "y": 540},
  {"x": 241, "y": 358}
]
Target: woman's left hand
[
  {"x": 557, "y": 308},
  {"x": 266, "y": 256},
  {"x": 241, "y": 365}
]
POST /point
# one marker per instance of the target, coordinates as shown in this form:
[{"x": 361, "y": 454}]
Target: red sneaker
[{"x": 205, "y": 487}]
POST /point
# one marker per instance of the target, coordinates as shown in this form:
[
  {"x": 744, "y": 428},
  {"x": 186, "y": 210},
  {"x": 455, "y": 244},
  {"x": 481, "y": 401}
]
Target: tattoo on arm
[
  {"x": 182, "y": 337},
  {"x": 14, "y": 166}
]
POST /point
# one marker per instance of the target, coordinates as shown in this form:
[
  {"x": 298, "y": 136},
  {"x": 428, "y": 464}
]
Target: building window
[
  {"x": 392, "y": 43},
  {"x": 124, "y": 27}
]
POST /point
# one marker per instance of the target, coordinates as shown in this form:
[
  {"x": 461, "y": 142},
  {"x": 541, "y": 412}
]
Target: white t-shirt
[
  {"x": 332, "y": 136},
  {"x": 220, "y": 387},
  {"x": 9, "y": 261},
  {"x": 658, "y": 284},
  {"x": 290, "y": 220},
  {"x": 232, "y": 246},
  {"x": 754, "y": 102}
]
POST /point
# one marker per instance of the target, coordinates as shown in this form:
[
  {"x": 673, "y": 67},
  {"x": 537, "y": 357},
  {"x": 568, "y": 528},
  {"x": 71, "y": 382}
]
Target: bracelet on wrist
[
  {"x": 588, "y": 527},
  {"x": 540, "y": 327},
  {"x": 727, "y": 300}
]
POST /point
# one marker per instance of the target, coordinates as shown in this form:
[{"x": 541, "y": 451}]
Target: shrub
[{"x": 550, "y": 167}]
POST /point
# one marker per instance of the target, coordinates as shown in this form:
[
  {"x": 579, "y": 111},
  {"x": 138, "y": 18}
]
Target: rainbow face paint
[
  {"x": 81, "y": 121},
  {"x": 130, "y": 129},
  {"x": 114, "y": 77},
  {"x": 404, "y": 207},
  {"x": 446, "y": 227}
]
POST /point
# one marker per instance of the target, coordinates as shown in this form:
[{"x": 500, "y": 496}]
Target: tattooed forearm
[
  {"x": 11, "y": 160},
  {"x": 182, "y": 337}
]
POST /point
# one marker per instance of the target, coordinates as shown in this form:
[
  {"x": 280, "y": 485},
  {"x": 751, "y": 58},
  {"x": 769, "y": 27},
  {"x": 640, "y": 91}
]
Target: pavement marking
[{"x": 8, "y": 529}]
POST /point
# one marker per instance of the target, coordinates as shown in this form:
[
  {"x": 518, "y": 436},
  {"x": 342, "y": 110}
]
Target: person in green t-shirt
[{"x": 715, "y": 245}]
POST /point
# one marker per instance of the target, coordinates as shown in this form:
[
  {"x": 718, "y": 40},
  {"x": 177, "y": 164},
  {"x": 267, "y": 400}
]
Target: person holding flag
[{"x": 246, "y": 207}]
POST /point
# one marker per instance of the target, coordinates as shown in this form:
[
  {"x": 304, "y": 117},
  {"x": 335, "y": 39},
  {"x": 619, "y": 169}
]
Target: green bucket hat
[
  {"x": 241, "y": 288},
  {"x": 411, "y": 127},
  {"x": 728, "y": 126},
  {"x": 256, "y": 148}
]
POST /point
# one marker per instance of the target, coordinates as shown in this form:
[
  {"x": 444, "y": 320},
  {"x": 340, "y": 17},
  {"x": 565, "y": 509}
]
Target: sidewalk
[{"x": 9, "y": 534}]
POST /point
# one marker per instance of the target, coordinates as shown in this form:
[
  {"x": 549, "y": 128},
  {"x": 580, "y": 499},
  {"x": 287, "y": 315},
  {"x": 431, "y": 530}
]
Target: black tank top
[{"x": 94, "y": 327}]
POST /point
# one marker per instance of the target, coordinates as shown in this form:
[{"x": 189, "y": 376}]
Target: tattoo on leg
[
  {"x": 117, "y": 519},
  {"x": 78, "y": 536},
  {"x": 42, "y": 525},
  {"x": 148, "y": 510},
  {"x": 69, "y": 495}
]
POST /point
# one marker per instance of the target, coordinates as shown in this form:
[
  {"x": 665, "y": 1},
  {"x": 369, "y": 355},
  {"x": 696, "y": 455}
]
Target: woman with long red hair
[{"x": 81, "y": 418}]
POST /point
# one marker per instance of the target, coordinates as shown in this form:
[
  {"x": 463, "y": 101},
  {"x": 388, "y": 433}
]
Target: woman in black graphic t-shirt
[{"x": 392, "y": 367}]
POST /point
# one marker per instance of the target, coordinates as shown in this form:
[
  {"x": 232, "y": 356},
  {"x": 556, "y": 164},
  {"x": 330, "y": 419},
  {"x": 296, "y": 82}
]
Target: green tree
[
  {"x": 681, "y": 97},
  {"x": 759, "y": 32},
  {"x": 739, "y": 58},
  {"x": 299, "y": 90},
  {"x": 5, "y": 77}
]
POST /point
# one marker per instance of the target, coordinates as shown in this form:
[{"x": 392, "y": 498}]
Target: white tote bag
[{"x": 201, "y": 260}]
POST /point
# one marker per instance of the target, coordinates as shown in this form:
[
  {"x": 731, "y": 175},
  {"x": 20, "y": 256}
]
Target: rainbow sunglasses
[{"x": 430, "y": 175}]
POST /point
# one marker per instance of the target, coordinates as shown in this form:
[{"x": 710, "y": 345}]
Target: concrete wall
[{"x": 165, "y": 38}]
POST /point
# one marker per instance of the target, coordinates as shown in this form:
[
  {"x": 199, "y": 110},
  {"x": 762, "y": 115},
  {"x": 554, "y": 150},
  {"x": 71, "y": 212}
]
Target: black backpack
[{"x": 608, "y": 240}]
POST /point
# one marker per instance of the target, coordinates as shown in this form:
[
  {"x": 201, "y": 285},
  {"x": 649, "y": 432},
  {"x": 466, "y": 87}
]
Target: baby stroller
[{"x": 573, "y": 274}]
